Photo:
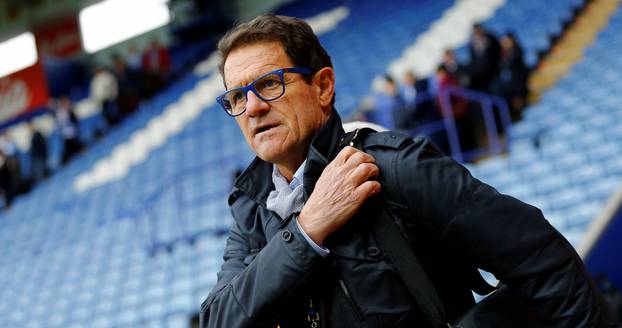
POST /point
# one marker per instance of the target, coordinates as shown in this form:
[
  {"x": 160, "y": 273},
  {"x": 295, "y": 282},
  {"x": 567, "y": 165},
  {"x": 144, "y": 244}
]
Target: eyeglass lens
[{"x": 268, "y": 88}]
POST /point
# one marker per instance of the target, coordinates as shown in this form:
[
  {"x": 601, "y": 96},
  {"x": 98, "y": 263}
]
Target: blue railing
[{"x": 487, "y": 103}]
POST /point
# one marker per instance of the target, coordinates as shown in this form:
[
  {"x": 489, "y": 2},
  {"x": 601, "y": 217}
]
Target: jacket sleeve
[
  {"x": 500, "y": 234},
  {"x": 251, "y": 282}
]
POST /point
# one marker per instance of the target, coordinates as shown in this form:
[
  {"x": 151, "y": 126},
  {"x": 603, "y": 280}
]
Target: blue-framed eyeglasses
[{"x": 267, "y": 87}]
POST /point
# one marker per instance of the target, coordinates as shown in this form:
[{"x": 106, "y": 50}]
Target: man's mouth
[{"x": 264, "y": 128}]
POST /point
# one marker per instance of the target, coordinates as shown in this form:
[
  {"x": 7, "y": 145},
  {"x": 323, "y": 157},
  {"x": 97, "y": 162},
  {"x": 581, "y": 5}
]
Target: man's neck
[{"x": 287, "y": 171}]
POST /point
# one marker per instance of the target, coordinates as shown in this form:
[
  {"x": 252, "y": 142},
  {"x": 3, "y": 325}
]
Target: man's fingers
[
  {"x": 363, "y": 172},
  {"x": 345, "y": 153},
  {"x": 366, "y": 190},
  {"x": 358, "y": 158},
  {"x": 353, "y": 156}
]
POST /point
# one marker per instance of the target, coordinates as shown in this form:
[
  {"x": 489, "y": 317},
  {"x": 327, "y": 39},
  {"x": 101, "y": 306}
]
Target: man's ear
[{"x": 325, "y": 81}]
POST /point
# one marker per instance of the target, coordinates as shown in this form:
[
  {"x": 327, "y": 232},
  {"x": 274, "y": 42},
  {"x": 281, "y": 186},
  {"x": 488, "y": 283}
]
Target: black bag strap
[
  {"x": 394, "y": 243},
  {"x": 397, "y": 248}
]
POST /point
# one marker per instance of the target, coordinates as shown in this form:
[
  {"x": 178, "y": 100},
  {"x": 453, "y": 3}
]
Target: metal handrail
[{"x": 488, "y": 104}]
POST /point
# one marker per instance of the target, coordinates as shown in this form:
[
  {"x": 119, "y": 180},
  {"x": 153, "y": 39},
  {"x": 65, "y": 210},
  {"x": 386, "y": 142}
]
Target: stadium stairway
[
  {"x": 569, "y": 50},
  {"x": 535, "y": 23},
  {"x": 566, "y": 155}
]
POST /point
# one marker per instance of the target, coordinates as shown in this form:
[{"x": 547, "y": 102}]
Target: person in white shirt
[{"x": 103, "y": 90}]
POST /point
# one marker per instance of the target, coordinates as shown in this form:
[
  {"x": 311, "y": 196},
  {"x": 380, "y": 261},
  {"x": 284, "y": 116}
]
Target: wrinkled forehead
[{"x": 248, "y": 62}]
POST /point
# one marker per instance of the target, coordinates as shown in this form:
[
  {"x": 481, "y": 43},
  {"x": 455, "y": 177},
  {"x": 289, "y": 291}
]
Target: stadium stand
[
  {"x": 536, "y": 23},
  {"x": 130, "y": 234},
  {"x": 566, "y": 146}
]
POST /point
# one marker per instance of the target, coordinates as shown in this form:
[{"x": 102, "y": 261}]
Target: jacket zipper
[
  {"x": 346, "y": 292},
  {"x": 347, "y": 295}
]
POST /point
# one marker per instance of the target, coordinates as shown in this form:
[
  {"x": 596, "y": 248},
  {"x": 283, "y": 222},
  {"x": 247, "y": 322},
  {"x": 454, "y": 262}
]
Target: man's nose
[{"x": 255, "y": 106}]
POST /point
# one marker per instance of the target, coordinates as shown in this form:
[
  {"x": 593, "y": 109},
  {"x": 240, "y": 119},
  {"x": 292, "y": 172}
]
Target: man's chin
[{"x": 269, "y": 151}]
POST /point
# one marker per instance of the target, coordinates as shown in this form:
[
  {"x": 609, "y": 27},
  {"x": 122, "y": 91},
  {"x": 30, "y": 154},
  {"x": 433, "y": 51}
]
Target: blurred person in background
[
  {"x": 456, "y": 70},
  {"x": 7, "y": 145},
  {"x": 423, "y": 108},
  {"x": 416, "y": 95},
  {"x": 134, "y": 58},
  {"x": 426, "y": 111},
  {"x": 302, "y": 251},
  {"x": 389, "y": 109},
  {"x": 11, "y": 183},
  {"x": 6, "y": 182},
  {"x": 104, "y": 90},
  {"x": 459, "y": 109},
  {"x": 511, "y": 83},
  {"x": 408, "y": 90},
  {"x": 156, "y": 65},
  {"x": 485, "y": 54},
  {"x": 38, "y": 154},
  {"x": 69, "y": 128},
  {"x": 128, "y": 82}
]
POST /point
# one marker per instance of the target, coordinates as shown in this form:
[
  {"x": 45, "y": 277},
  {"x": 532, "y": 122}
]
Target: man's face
[{"x": 281, "y": 130}]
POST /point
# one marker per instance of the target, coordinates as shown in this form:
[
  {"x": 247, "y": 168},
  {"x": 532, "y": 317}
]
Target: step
[{"x": 569, "y": 50}]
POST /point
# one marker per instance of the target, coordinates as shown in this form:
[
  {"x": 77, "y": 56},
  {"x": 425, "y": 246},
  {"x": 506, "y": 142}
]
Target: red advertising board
[
  {"x": 22, "y": 91},
  {"x": 60, "y": 39}
]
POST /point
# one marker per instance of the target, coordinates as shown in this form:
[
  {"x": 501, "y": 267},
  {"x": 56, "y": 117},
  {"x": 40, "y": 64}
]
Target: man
[
  {"x": 454, "y": 68},
  {"x": 156, "y": 66},
  {"x": 38, "y": 153},
  {"x": 389, "y": 108},
  {"x": 104, "y": 90},
  {"x": 485, "y": 54},
  {"x": 69, "y": 128},
  {"x": 511, "y": 83},
  {"x": 301, "y": 252}
]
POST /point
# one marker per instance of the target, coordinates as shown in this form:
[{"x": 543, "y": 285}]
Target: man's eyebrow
[
  {"x": 236, "y": 86},
  {"x": 245, "y": 82},
  {"x": 271, "y": 69}
]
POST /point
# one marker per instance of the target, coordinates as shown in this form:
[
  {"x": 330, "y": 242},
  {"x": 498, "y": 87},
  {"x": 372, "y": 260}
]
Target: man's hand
[{"x": 339, "y": 192}]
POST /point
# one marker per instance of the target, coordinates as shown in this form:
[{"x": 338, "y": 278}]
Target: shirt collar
[
  {"x": 256, "y": 181},
  {"x": 279, "y": 180}
]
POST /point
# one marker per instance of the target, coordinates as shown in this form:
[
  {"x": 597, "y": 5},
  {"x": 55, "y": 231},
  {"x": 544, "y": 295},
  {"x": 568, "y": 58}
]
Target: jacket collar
[{"x": 256, "y": 180}]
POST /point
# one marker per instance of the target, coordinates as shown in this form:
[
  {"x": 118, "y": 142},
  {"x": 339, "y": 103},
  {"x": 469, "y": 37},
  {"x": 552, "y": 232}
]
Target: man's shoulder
[
  {"x": 387, "y": 139},
  {"x": 393, "y": 140},
  {"x": 399, "y": 155}
]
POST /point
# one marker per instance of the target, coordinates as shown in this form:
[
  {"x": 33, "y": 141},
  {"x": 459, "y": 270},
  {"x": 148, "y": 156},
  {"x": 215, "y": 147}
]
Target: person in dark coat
[
  {"x": 38, "y": 154},
  {"x": 69, "y": 128},
  {"x": 128, "y": 81},
  {"x": 458, "y": 109},
  {"x": 301, "y": 252},
  {"x": 10, "y": 181},
  {"x": 390, "y": 110},
  {"x": 455, "y": 69},
  {"x": 511, "y": 84},
  {"x": 485, "y": 54}
]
